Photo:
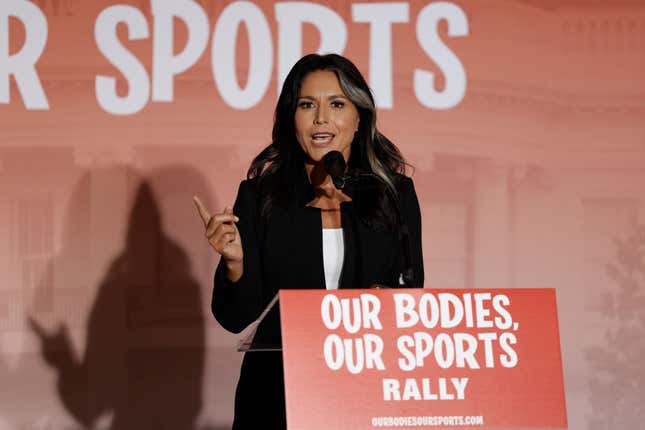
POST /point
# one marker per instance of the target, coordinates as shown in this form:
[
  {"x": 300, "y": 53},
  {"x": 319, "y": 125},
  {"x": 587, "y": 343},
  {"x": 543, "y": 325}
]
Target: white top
[{"x": 333, "y": 255}]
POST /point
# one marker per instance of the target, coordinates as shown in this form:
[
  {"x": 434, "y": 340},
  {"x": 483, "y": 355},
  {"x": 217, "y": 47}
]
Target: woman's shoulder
[
  {"x": 403, "y": 183},
  {"x": 408, "y": 197},
  {"x": 247, "y": 192},
  {"x": 248, "y": 186}
]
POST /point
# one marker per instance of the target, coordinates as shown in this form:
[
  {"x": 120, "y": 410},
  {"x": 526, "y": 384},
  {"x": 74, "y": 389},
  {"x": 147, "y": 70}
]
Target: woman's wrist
[{"x": 234, "y": 270}]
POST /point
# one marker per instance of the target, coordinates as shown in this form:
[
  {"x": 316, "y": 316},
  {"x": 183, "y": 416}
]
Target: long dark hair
[{"x": 282, "y": 162}]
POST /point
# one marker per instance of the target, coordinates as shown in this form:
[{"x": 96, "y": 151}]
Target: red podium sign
[{"x": 418, "y": 358}]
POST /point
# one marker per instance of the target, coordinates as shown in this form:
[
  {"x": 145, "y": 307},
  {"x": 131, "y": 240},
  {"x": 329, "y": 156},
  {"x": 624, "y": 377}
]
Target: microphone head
[
  {"x": 339, "y": 182},
  {"x": 334, "y": 164}
]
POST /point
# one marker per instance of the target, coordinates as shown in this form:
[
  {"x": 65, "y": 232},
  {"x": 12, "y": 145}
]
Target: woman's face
[{"x": 325, "y": 119}]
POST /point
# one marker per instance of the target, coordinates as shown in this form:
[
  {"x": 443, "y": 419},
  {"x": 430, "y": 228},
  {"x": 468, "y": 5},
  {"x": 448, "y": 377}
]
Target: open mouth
[{"x": 322, "y": 138}]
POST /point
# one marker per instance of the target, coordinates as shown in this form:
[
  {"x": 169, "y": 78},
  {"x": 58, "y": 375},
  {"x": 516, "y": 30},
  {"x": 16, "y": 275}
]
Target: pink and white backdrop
[{"x": 524, "y": 121}]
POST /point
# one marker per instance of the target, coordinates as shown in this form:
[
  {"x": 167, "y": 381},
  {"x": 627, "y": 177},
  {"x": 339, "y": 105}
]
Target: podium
[{"x": 419, "y": 358}]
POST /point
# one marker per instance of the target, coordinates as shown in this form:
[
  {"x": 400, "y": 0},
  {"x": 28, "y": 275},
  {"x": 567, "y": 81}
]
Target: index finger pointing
[
  {"x": 203, "y": 212},
  {"x": 36, "y": 327}
]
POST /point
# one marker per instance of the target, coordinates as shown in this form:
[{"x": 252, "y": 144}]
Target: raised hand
[{"x": 223, "y": 236}]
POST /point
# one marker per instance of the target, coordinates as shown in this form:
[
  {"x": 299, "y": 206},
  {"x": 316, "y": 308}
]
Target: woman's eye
[
  {"x": 305, "y": 105},
  {"x": 337, "y": 104}
]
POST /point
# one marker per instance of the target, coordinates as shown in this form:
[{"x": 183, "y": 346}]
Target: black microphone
[{"x": 335, "y": 166}]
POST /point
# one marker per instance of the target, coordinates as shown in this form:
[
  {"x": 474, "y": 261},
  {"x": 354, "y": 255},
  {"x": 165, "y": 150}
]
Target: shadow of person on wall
[{"x": 144, "y": 357}]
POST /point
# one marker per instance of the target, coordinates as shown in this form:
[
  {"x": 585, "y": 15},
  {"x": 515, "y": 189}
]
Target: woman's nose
[{"x": 321, "y": 116}]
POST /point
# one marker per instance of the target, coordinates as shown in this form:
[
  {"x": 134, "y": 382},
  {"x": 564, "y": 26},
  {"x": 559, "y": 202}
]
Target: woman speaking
[{"x": 291, "y": 227}]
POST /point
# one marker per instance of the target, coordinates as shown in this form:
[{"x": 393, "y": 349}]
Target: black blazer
[{"x": 286, "y": 253}]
